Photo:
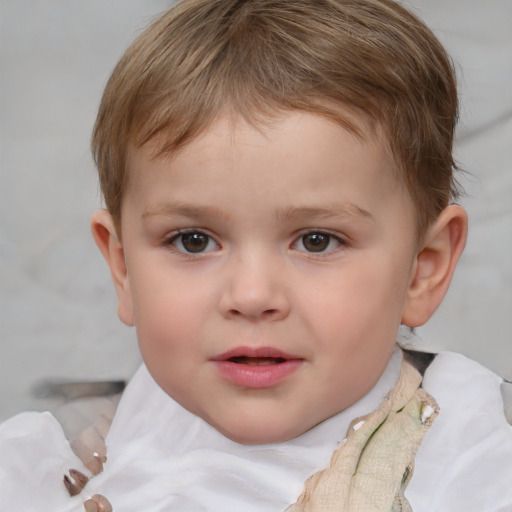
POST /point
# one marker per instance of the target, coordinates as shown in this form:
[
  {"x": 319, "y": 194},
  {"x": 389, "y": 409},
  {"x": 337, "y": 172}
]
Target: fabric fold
[{"x": 371, "y": 468}]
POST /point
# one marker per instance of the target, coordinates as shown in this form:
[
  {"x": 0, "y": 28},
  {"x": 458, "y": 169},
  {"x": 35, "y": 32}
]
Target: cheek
[
  {"x": 362, "y": 301},
  {"x": 169, "y": 314},
  {"x": 170, "y": 335}
]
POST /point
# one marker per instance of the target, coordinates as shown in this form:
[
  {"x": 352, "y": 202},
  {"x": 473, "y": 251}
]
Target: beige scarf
[{"x": 371, "y": 468}]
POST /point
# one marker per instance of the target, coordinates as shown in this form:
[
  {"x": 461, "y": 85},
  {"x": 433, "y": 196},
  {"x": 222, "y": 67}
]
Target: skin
[{"x": 257, "y": 200}]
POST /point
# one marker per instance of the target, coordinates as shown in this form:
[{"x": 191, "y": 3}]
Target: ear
[
  {"x": 434, "y": 265},
  {"x": 105, "y": 235}
]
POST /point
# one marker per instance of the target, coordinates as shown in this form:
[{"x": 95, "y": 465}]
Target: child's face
[{"x": 267, "y": 272}]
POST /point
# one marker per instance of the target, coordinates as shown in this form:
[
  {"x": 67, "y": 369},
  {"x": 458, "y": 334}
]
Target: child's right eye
[{"x": 192, "y": 242}]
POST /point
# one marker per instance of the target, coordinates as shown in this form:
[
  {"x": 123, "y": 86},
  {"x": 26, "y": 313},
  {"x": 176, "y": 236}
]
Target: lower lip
[{"x": 257, "y": 376}]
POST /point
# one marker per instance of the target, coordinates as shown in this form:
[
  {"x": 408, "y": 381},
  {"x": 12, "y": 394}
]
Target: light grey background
[{"x": 57, "y": 306}]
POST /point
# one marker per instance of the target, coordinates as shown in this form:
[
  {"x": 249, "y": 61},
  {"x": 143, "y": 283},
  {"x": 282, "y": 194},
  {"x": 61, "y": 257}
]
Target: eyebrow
[
  {"x": 177, "y": 209},
  {"x": 194, "y": 212},
  {"x": 332, "y": 211}
]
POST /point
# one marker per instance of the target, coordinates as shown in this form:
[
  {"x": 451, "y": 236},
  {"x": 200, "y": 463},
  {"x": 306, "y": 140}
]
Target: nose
[{"x": 254, "y": 289}]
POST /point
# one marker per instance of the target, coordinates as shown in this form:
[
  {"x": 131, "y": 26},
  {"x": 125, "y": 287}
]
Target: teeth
[{"x": 260, "y": 362}]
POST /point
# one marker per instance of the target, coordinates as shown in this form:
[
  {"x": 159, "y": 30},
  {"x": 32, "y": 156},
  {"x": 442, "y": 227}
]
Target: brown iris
[
  {"x": 195, "y": 242},
  {"x": 316, "y": 242}
]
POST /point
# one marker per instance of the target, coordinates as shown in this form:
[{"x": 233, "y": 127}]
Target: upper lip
[{"x": 257, "y": 352}]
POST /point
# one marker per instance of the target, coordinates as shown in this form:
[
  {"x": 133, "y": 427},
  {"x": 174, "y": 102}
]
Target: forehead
[
  {"x": 297, "y": 161},
  {"x": 290, "y": 130}
]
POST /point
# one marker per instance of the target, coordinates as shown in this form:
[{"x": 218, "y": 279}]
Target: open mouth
[
  {"x": 260, "y": 367},
  {"x": 257, "y": 361},
  {"x": 259, "y": 356}
]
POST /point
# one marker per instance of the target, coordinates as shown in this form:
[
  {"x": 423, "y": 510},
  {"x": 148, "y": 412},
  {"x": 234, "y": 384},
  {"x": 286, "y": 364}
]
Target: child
[{"x": 278, "y": 182}]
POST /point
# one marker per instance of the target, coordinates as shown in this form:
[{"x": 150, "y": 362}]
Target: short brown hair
[{"x": 257, "y": 57}]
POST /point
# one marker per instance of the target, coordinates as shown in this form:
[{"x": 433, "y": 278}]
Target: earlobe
[
  {"x": 434, "y": 265},
  {"x": 107, "y": 240}
]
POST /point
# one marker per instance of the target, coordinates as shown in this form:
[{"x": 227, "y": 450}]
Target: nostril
[{"x": 266, "y": 314}]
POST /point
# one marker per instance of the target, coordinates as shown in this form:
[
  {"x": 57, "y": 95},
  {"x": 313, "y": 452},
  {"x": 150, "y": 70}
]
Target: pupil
[
  {"x": 316, "y": 242},
  {"x": 194, "y": 242}
]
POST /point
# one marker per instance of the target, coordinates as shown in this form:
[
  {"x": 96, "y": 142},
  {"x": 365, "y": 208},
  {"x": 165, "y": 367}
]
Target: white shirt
[{"x": 163, "y": 458}]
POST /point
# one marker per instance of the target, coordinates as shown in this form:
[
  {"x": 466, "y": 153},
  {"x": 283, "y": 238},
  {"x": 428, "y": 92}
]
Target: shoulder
[
  {"x": 471, "y": 394},
  {"x": 34, "y": 455},
  {"x": 465, "y": 461},
  {"x": 42, "y": 453},
  {"x": 30, "y": 429}
]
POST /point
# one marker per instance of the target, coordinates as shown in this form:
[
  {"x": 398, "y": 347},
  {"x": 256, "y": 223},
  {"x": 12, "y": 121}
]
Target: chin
[{"x": 262, "y": 433}]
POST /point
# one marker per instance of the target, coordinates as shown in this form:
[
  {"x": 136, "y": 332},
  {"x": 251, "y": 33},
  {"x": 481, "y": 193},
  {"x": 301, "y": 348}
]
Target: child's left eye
[{"x": 317, "y": 242}]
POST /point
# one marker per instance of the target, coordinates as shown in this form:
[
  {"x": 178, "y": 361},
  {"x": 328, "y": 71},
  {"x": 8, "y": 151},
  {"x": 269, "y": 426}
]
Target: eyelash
[
  {"x": 322, "y": 253},
  {"x": 178, "y": 237}
]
